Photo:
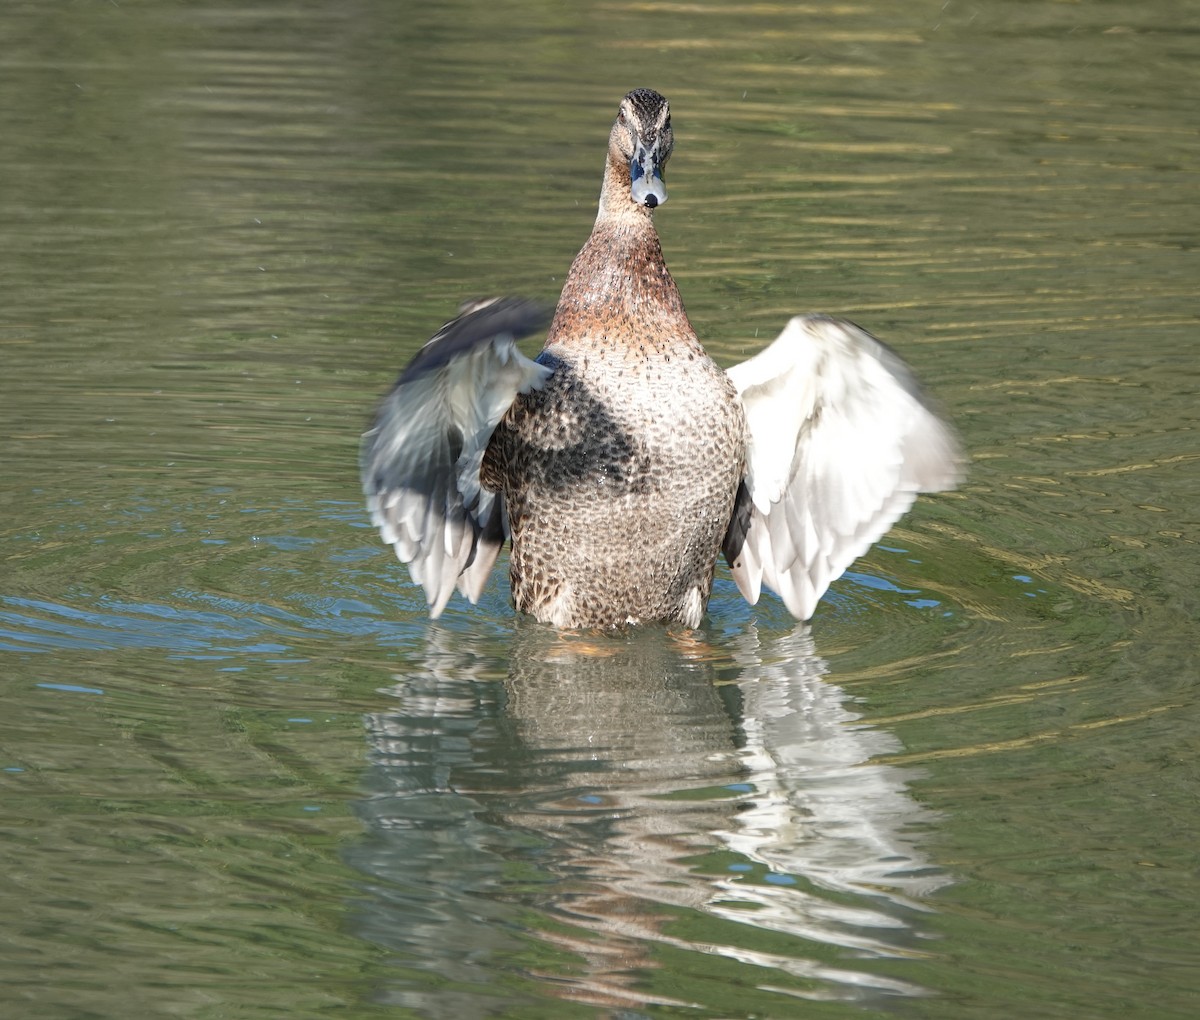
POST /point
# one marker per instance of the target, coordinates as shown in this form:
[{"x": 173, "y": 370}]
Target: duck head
[{"x": 641, "y": 141}]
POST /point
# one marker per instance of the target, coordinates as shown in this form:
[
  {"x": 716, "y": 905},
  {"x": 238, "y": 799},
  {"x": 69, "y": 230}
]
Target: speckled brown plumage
[
  {"x": 619, "y": 476},
  {"x": 622, "y": 460}
]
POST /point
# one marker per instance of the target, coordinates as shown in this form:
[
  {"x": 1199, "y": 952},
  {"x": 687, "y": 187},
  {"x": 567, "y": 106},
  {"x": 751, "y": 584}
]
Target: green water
[{"x": 244, "y": 777}]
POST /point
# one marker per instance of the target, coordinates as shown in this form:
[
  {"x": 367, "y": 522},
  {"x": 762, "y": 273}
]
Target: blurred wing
[
  {"x": 421, "y": 458},
  {"x": 841, "y": 440}
]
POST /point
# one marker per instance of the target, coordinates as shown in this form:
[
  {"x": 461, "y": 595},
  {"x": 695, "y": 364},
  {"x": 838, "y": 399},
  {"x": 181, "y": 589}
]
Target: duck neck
[{"x": 619, "y": 282}]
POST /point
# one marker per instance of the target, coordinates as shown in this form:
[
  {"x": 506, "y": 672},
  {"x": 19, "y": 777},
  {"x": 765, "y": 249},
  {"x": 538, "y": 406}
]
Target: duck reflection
[{"x": 563, "y": 807}]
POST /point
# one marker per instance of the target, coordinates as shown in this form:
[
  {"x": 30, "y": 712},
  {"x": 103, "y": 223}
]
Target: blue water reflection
[{"x": 183, "y": 630}]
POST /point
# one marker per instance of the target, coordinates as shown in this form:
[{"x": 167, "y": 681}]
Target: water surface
[{"x": 245, "y": 776}]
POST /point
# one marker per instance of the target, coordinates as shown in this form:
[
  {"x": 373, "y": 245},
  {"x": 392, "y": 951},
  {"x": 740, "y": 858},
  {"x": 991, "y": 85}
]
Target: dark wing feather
[{"x": 421, "y": 458}]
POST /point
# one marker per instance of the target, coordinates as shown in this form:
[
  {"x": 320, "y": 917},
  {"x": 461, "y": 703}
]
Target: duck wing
[
  {"x": 841, "y": 440},
  {"x": 421, "y": 458}
]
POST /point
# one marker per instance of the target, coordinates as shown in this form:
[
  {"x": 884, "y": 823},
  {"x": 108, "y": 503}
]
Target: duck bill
[{"x": 646, "y": 176}]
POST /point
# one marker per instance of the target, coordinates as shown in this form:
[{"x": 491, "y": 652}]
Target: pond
[{"x": 245, "y": 776}]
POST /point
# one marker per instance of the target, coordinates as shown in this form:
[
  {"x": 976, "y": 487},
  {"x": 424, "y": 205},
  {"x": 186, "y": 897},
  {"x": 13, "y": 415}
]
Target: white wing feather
[
  {"x": 422, "y": 456},
  {"x": 841, "y": 441}
]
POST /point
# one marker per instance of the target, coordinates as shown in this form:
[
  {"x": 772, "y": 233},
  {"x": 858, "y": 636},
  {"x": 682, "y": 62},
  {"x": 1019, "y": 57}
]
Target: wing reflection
[{"x": 605, "y": 796}]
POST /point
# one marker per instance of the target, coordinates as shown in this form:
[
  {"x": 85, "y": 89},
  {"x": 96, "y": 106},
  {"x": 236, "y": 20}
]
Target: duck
[{"x": 622, "y": 462}]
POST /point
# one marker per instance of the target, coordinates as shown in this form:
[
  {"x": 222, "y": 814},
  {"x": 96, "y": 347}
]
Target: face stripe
[{"x": 646, "y": 117}]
